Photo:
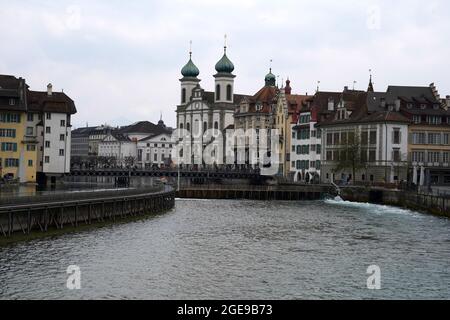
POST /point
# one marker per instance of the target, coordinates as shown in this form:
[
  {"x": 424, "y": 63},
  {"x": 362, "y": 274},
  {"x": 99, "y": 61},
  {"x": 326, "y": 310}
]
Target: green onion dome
[
  {"x": 225, "y": 65},
  {"x": 190, "y": 69},
  {"x": 270, "y": 78}
]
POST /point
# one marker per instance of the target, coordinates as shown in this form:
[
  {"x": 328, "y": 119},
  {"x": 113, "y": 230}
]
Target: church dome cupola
[
  {"x": 190, "y": 70},
  {"x": 225, "y": 65},
  {"x": 270, "y": 79}
]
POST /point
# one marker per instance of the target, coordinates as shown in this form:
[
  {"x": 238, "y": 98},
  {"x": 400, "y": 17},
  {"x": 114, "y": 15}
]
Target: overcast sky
[{"x": 121, "y": 60}]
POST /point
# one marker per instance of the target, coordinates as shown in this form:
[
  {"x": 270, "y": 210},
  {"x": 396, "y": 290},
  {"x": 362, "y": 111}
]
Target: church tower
[
  {"x": 224, "y": 84},
  {"x": 189, "y": 81}
]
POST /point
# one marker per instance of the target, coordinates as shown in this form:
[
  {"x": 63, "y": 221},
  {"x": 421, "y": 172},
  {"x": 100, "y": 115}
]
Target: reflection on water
[{"x": 241, "y": 250}]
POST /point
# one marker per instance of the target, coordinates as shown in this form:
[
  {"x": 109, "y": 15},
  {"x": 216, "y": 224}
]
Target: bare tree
[{"x": 352, "y": 154}]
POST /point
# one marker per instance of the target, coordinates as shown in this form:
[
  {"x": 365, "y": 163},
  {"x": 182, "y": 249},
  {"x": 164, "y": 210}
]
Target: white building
[
  {"x": 154, "y": 151},
  {"x": 50, "y": 117},
  {"x": 306, "y": 150},
  {"x": 383, "y": 133},
  {"x": 120, "y": 148},
  {"x": 200, "y": 110}
]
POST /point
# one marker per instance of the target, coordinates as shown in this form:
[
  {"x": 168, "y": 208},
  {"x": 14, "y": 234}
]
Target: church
[{"x": 200, "y": 110}]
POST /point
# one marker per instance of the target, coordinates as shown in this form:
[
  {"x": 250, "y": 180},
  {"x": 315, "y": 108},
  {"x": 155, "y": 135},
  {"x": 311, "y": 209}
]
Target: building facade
[
  {"x": 18, "y": 142},
  {"x": 201, "y": 110},
  {"x": 155, "y": 151},
  {"x": 429, "y": 134},
  {"x": 364, "y": 139}
]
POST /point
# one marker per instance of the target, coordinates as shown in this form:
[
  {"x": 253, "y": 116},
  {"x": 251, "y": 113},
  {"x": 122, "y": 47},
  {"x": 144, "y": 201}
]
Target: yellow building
[{"x": 18, "y": 154}]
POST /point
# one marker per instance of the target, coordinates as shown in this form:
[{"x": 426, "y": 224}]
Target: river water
[{"x": 241, "y": 250}]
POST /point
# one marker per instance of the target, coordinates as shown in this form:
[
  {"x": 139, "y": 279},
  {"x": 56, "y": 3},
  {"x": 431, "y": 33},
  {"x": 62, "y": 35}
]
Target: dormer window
[
  {"x": 409, "y": 105},
  {"x": 436, "y": 106},
  {"x": 12, "y": 102},
  {"x": 258, "y": 106},
  {"x": 423, "y": 106}
]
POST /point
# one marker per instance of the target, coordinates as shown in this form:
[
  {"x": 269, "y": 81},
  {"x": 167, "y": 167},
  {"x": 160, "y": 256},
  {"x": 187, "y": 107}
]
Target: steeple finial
[
  {"x": 225, "y": 43},
  {"x": 370, "y": 88},
  {"x": 190, "y": 48}
]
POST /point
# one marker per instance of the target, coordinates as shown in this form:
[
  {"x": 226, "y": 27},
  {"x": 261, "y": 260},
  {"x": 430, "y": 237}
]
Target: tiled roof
[
  {"x": 12, "y": 87},
  {"x": 144, "y": 127},
  {"x": 58, "y": 102}
]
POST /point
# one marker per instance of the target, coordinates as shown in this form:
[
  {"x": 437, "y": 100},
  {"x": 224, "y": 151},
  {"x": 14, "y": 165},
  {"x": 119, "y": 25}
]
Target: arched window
[
  {"x": 218, "y": 92},
  {"x": 229, "y": 93},
  {"x": 181, "y": 126},
  {"x": 216, "y": 125},
  {"x": 188, "y": 127},
  {"x": 205, "y": 126},
  {"x": 183, "y": 95}
]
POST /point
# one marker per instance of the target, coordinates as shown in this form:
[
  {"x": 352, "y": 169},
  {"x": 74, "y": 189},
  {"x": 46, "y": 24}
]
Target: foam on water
[{"x": 372, "y": 208}]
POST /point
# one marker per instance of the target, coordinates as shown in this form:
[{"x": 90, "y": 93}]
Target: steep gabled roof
[
  {"x": 57, "y": 102},
  {"x": 144, "y": 127}
]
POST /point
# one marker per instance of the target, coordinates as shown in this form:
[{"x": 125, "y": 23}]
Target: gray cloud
[{"x": 121, "y": 60}]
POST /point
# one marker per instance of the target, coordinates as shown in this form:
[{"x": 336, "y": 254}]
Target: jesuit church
[{"x": 200, "y": 110}]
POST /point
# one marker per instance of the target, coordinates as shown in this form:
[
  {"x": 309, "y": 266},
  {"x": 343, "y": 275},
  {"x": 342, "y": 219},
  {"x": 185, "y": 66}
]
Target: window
[
  {"x": 31, "y": 147},
  {"x": 61, "y": 152},
  {"x": 11, "y": 163},
  {"x": 155, "y": 157},
  {"x": 229, "y": 93},
  {"x": 7, "y": 133},
  {"x": 396, "y": 156},
  {"x": 293, "y": 164},
  {"x": 218, "y": 92},
  {"x": 364, "y": 138},
  {"x": 417, "y": 119},
  {"x": 48, "y": 116},
  {"x": 434, "y": 120},
  {"x": 48, "y": 130},
  {"x": 446, "y": 158},
  {"x": 433, "y": 157},
  {"x": 319, "y": 149},
  {"x": 372, "y": 155},
  {"x": 188, "y": 127},
  {"x": 30, "y": 117},
  {"x": 329, "y": 139},
  {"x": 62, "y": 137},
  {"x": 47, "y": 159},
  {"x": 30, "y": 131},
  {"x": 47, "y": 144},
  {"x": 183, "y": 95},
  {"x": 434, "y": 138},
  {"x": 418, "y": 156},
  {"x": 373, "y": 137},
  {"x": 445, "y": 138},
  {"x": 336, "y": 138},
  {"x": 10, "y": 117},
  {"x": 419, "y": 137},
  {"x": 329, "y": 156},
  {"x": 12, "y": 102},
  {"x": 216, "y": 125},
  {"x": 63, "y": 123},
  {"x": 397, "y": 136},
  {"x": 30, "y": 163},
  {"x": 11, "y": 147}
]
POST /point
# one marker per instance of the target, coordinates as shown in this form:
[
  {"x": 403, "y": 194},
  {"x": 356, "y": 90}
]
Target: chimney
[
  {"x": 397, "y": 105},
  {"x": 435, "y": 92},
  {"x": 49, "y": 89},
  {"x": 447, "y": 102},
  {"x": 330, "y": 104}
]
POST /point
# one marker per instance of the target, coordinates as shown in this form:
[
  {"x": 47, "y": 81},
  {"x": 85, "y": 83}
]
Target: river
[{"x": 241, "y": 250}]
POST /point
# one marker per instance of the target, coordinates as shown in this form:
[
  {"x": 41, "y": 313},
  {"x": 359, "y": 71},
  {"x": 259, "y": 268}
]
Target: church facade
[{"x": 201, "y": 110}]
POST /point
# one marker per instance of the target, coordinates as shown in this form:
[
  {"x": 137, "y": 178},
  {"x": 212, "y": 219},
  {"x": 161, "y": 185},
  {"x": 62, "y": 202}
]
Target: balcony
[{"x": 29, "y": 139}]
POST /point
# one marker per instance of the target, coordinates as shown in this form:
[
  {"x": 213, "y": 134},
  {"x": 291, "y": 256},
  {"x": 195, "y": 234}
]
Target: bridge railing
[{"x": 74, "y": 196}]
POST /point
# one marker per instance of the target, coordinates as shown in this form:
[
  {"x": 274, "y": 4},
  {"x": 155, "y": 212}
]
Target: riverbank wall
[
  {"x": 436, "y": 205},
  {"x": 25, "y": 215}
]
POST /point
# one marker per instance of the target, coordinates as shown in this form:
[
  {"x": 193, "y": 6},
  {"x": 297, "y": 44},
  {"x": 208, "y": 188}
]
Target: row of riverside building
[
  {"x": 35, "y": 132},
  {"x": 403, "y": 133},
  {"x": 140, "y": 145}
]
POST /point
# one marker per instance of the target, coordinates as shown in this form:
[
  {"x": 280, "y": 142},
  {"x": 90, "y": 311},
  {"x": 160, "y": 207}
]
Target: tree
[
  {"x": 352, "y": 154},
  {"x": 130, "y": 161}
]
